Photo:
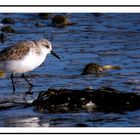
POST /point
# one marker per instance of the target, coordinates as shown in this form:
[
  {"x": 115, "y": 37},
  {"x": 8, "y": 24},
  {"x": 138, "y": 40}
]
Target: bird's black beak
[{"x": 54, "y": 54}]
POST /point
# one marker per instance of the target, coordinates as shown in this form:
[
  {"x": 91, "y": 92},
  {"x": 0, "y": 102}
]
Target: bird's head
[{"x": 48, "y": 46}]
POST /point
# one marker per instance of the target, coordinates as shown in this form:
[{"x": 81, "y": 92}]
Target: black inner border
[
  {"x": 81, "y": 133},
  {"x": 69, "y": 5},
  {"x": 72, "y": 133}
]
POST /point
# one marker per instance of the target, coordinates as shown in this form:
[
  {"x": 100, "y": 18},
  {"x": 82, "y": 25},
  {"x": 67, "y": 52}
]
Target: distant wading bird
[{"x": 24, "y": 57}]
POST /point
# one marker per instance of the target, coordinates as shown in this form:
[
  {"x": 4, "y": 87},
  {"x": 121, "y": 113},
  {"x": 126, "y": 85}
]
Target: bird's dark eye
[{"x": 47, "y": 46}]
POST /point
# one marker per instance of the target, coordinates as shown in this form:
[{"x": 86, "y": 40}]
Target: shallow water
[{"x": 108, "y": 39}]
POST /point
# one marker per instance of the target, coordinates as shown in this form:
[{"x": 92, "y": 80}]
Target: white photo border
[{"x": 71, "y": 9}]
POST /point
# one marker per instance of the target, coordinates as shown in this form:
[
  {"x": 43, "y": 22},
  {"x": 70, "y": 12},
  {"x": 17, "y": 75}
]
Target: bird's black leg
[
  {"x": 12, "y": 79},
  {"x": 23, "y": 76}
]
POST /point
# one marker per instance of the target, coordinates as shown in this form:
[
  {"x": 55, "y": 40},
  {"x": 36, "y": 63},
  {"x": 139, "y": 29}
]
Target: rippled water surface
[{"x": 107, "y": 39}]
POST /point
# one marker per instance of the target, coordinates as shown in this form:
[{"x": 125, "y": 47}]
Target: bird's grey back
[{"x": 16, "y": 51}]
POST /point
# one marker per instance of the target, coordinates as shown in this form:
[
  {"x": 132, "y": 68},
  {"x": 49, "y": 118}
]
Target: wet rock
[
  {"x": 45, "y": 15},
  {"x": 60, "y": 21},
  {"x": 8, "y": 29},
  {"x": 109, "y": 99},
  {"x": 92, "y": 68},
  {"x": 105, "y": 99},
  {"x": 8, "y": 20},
  {"x": 63, "y": 100}
]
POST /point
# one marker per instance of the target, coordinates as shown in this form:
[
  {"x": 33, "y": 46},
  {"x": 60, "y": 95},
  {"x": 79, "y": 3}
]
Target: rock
[
  {"x": 8, "y": 21},
  {"x": 60, "y": 21},
  {"x": 68, "y": 100},
  {"x": 92, "y": 68},
  {"x": 8, "y": 29}
]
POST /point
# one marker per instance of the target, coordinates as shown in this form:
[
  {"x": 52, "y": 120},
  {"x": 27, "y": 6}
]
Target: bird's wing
[{"x": 16, "y": 51}]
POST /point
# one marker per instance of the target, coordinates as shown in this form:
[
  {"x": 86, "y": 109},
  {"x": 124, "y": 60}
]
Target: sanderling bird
[{"x": 24, "y": 57}]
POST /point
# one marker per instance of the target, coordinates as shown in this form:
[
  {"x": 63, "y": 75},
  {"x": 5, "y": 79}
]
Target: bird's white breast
[{"x": 28, "y": 63}]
